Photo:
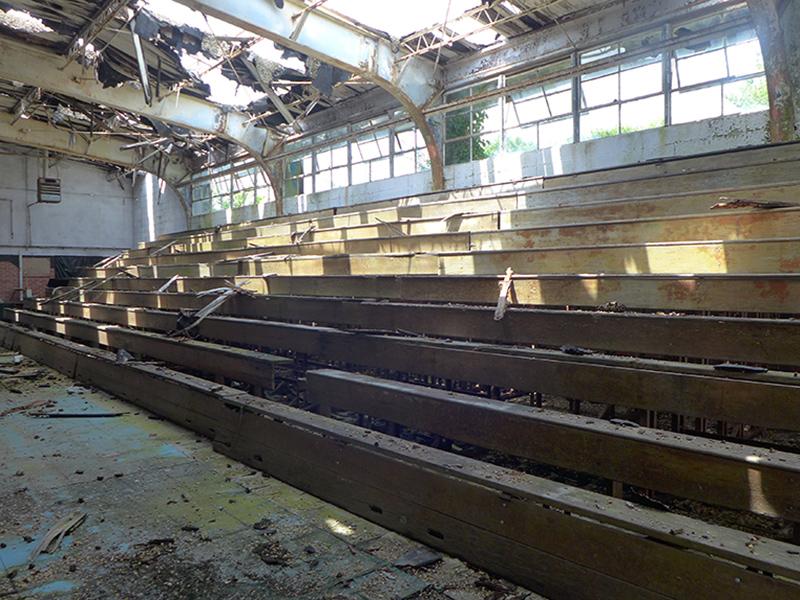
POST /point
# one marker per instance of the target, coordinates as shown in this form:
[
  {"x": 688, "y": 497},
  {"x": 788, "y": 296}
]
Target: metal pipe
[{"x": 21, "y": 277}]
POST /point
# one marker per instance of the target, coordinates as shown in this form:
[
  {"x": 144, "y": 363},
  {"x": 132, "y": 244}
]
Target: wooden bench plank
[
  {"x": 255, "y": 368},
  {"x": 731, "y": 475},
  {"x": 748, "y": 293},
  {"x": 769, "y": 400},
  {"x": 763, "y": 341}
]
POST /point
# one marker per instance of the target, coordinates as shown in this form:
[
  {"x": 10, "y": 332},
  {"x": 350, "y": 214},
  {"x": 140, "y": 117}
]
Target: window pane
[
  {"x": 603, "y": 122},
  {"x": 360, "y": 173},
  {"x": 423, "y": 160},
  {"x": 700, "y": 68},
  {"x": 405, "y": 140},
  {"x": 323, "y": 159},
  {"x": 603, "y": 90},
  {"x": 264, "y": 195},
  {"x": 526, "y": 94},
  {"x": 457, "y": 123},
  {"x": 293, "y": 187},
  {"x": 531, "y": 111},
  {"x": 220, "y": 202},
  {"x": 745, "y": 58},
  {"x": 202, "y": 207},
  {"x": 485, "y": 145},
  {"x": 748, "y": 95},
  {"x": 696, "y": 105},
  {"x": 404, "y": 164},
  {"x": 201, "y": 191},
  {"x": 243, "y": 180},
  {"x": 642, "y": 114},
  {"x": 322, "y": 181},
  {"x": 244, "y": 198},
  {"x": 641, "y": 81},
  {"x": 380, "y": 169},
  {"x": 458, "y": 95},
  {"x": 220, "y": 185},
  {"x": 486, "y": 116},
  {"x": 457, "y": 152},
  {"x": 521, "y": 139},
  {"x": 339, "y": 177},
  {"x": 599, "y": 54},
  {"x": 560, "y": 103},
  {"x": 339, "y": 156},
  {"x": 556, "y": 133}
]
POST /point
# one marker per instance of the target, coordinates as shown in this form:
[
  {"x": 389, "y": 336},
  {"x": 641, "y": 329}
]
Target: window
[
  {"x": 541, "y": 115},
  {"x": 220, "y": 192},
  {"x": 201, "y": 199},
  {"x": 229, "y": 186},
  {"x": 243, "y": 187},
  {"x": 701, "y": 68},
  {"x": 299, "y": 177},
  {"x": 714, "y": 75},
  {"x": 410, "y": 151},
  {"x": 331, "y": 168},
  {"x": 625, "y": 97},
  {"x": 371, "y": 157},
  {"x": 472, "y": 132}
]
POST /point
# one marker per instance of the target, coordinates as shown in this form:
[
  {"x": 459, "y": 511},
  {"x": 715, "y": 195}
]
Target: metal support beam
[
  {"x": 769, "y": 28},
  {"x": 30, "y": 99},
  {"x": 21, "y": 62},
  {"x": 413, "y": 82},
  {"x": 104, "y": 15},
  {"x": 37, "y": 134}
]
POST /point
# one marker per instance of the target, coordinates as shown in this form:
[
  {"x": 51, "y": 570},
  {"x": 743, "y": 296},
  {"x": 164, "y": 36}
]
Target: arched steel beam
[{"x": 413, "y": 82}]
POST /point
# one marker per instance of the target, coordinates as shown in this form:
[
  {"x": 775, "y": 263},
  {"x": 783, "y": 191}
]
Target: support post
[{"x": 781, "y": 88}]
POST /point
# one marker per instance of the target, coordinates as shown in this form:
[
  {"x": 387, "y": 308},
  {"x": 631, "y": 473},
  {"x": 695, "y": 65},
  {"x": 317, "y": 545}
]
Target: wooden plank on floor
[
  {"x": 731, "y": 475},
  {"x": 769, "y": 400},
  {"x": 485, "y": 513}
]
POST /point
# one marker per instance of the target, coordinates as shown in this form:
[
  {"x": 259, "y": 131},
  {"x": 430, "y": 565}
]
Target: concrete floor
[{"x": 166, "y": 517}]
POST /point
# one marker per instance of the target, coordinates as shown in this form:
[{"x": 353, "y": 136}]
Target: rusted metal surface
[{"x": 780, "y": 86}]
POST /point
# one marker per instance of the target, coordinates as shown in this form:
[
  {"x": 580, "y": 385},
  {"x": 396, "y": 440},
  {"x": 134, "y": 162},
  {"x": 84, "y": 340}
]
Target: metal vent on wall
[{"x": 48, "y": 189}]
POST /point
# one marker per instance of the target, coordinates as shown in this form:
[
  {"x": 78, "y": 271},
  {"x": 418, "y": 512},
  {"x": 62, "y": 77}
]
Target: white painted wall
[
  {"x": 157, "y": 209},
  {"x": 92, "y": 219},
  {"x": 711, "y": 135},
  {"x": 97, "y": 216}
]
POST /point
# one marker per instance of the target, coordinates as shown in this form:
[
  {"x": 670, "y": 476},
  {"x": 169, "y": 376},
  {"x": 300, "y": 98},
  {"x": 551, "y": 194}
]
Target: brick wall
[{"x": 37, "y": 272}]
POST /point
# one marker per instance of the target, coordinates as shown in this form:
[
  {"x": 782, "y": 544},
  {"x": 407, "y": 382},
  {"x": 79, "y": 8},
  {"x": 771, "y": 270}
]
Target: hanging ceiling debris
[{"x": 167, "y": 49}]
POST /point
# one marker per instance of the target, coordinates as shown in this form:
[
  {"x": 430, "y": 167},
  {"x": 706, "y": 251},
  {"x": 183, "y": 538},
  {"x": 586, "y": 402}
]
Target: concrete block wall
[{"x": 711, "y": 135}]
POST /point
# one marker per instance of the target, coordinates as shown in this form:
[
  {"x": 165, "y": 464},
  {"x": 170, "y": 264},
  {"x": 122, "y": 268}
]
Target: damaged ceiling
[{"x": 182, "y": 52}]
